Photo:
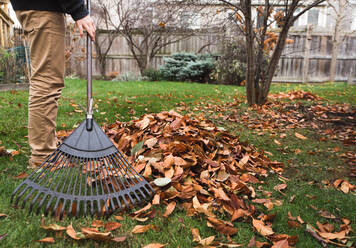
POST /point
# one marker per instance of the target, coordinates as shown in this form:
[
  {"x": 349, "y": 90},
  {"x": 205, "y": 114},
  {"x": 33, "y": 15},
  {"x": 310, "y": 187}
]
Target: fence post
[
  {"x": 306, "y": 55},
  {"x": 350, "y": 80}
]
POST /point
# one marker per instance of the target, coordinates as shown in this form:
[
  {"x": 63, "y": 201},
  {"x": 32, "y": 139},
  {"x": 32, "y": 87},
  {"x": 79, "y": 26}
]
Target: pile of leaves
[
  {"x": 210, "y": 171},
  {"x": 296, "y": 95}
]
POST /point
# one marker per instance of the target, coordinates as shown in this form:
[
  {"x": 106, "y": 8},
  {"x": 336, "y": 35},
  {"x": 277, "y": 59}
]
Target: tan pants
[{"x": 44, "y": 32}]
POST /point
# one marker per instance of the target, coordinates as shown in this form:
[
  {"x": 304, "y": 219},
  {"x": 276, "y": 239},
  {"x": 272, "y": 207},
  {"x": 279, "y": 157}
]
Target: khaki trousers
[{"x": 44, "y": 32}]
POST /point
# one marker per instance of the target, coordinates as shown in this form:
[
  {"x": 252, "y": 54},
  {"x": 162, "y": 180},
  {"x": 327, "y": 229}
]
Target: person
[{"x": 43, "y": 24}]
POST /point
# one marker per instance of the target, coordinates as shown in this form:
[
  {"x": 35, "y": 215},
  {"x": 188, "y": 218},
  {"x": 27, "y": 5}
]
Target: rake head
[{"x": 85, "y": 175}]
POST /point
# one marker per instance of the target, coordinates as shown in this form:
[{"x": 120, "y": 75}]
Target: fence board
[{"x": 290, "y": 66}]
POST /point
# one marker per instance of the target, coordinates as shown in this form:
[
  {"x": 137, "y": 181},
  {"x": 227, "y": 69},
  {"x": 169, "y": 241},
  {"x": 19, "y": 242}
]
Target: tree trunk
[
  {"x": 273, "y": 63},
  {"x": 250, "y": 50},
  {"x": 335, "y": 47}
]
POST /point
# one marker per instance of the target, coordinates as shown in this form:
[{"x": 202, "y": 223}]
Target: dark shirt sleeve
[{"x": 75, "y": 8}]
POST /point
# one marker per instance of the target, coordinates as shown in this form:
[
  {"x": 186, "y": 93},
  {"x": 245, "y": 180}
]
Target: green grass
[{"x": 125, "y": 101}]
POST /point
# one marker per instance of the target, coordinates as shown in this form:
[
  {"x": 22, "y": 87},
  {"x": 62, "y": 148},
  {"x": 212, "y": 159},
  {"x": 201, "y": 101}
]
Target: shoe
[{"x": 33, "y": 165}]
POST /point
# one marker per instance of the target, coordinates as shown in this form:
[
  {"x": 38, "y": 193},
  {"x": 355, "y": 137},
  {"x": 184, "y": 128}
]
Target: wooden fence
[
  {"x": 5, "y": 24},
  {"x": 307, "y": 59}
]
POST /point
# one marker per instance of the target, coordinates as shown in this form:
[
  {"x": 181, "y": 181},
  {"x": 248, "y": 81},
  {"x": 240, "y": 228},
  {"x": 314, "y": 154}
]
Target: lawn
[{"x": 308, "y": 173}]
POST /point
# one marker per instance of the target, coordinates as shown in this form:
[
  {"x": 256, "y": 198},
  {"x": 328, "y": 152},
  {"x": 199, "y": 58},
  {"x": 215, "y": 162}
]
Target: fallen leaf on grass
[
  {"x": 147, "y": 207},
  {"x": 3, "y": 215},
  {"x": 141, "y": 229},
  {"x": 48, "y": 240},
  {"x": 204, "y": 242},
  {"x": 280, "y": 187},
  {"x": 170, "y": 208},
  {"x": 97, "y": 223},
  {"x": 111, "y": 226},
  {"x": 281, "y": 244},
  {"x": 326, "y": 214},
  {"x": 22, "y": 175},
  {"x": 91, "y": 233},
  {"x": 293, "y": 224},
  {"x": 54, "y": 227},
  {"x": 72, "y": 233},
  {"x": 299, "y": 136},
  {"x": 222, "y": 227},
  {"x": 344, "y": 186},
  {"x": 155, "y": 245},
  {"x": 119, "y": 218},
  {"x": 262, "y": 228},
  {"x": 156, "y": 199},
  {"x": 119, "y": 239}
]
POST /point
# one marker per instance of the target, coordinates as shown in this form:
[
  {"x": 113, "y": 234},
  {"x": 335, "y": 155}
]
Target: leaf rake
[{"x": 85, "y": 175}]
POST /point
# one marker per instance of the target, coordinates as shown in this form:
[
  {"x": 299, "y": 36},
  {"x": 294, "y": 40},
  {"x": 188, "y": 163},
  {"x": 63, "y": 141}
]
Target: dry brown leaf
[
  {"x": 144, "y": 209},
  {"x": 201, "y": 208},
  {"x": 156, "y": 199},
  {"x": 340, "y": 235},
  {"x": 119, "y": 218},
  {"x": 97, "y": 223},
  {"x": 293, "y": 224},
  {"x": 262, "y": 228},
  {"x": 168, "y": 161},
  {"x": 72, "y": 233},
  {"x": 221, "y": 227},
  {"x": 281, "y": 244},
  {"x": 244, "y": 160},
  {"x": 155, "y": 245},
  {"x": 207, "y": 241},
  {"x": 141, "y": 229},
  {"x": 143, "y": 124},
  {"x": 22, "y": 175},
  {"x": 280, "y": 187},
  {"x": 196, "y": 235},
  {"x": 150, "y": 143},
  {"x": 299, "y": 136},
  {"x": 326, "y": 214},
  {"x": 170, "y": 208},
  {"x": 111, "y": 226},
  {"x": 222, "y": 176},
  {"x": 169, "y": 173},
  {"x": 48, "y": 240},
  {"x": 91, "y": 233},
  {"x": 53, "y": 227},
  {"x": 119, "y": 239}
]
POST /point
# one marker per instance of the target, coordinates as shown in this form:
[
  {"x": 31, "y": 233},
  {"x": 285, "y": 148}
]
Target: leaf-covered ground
[{"x": 280, "y": 175}]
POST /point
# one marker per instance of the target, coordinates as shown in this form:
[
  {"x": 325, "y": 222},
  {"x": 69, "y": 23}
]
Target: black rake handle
[{"x": 89, "y": 79}]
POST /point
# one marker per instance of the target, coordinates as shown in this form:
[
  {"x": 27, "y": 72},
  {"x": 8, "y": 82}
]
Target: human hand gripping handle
[{"x": 87, "y": 24}]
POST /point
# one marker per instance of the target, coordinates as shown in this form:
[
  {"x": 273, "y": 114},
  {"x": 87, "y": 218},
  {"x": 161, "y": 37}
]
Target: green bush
[
  {"x": 152, "y": 75},
  {"x": 231, "y": 66},
  {"x": 187, "y": 67},
  {"x": 12, "y": 66}
]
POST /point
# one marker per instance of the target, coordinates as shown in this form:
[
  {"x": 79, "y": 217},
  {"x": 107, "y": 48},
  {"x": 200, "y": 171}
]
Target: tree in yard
[
  {"x": 261, "y": 41},
  {"x": 342, "y": 16},
  {"x": 149, "y": 26},
  {"x": 105, "y": 36}
]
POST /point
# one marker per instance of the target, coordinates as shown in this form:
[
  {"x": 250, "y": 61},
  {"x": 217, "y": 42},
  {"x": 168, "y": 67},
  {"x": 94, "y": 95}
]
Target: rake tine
[
  {"x": 34, "y": 200},
  {"x": 123, "y": 176},
  {"x": 46, "y": 212},
  {"x": 26, "y": 197},
  {"x": 21, "y": 194}
]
